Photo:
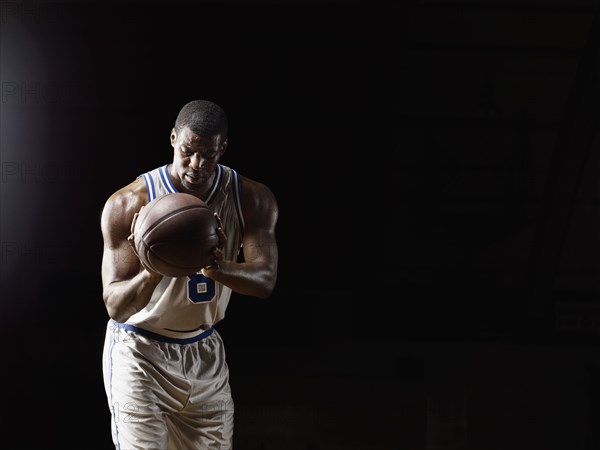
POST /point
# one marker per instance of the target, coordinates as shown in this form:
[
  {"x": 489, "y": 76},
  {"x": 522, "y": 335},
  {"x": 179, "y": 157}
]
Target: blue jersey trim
[
  {"x": 164, "y": 175},
  {"x": 160, "y": 337},
  {"x": 183, "y": 331},
  {"x": 150, "y": 187}
]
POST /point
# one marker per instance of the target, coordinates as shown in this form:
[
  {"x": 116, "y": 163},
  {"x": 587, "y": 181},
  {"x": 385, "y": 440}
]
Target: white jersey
[{"x": 182, "y": 309}]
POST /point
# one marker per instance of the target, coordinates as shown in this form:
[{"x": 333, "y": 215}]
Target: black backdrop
[{"x": 377, "y": 278}]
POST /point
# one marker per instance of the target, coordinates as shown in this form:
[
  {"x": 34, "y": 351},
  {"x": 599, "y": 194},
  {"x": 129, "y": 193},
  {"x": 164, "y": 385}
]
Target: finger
[
  {"x": 222, "y": 237},
  {"x": 210, "y": 268},
  {"x": 131, "y": 241},
  {"x": 135, "y": 217},
  {"x": 219, "y": 221}
]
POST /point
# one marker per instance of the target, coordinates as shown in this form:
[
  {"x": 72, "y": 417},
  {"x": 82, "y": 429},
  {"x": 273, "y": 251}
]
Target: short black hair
[{"x": 203, "y": 117}]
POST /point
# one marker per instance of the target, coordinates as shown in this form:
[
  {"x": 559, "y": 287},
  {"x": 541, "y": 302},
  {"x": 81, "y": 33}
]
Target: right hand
[{"x": 131, "y": 240}]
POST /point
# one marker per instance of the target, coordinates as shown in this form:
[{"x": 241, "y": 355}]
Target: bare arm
[
  {"x": 257, "y": 275},
  {"x": 127, "y": 286}
]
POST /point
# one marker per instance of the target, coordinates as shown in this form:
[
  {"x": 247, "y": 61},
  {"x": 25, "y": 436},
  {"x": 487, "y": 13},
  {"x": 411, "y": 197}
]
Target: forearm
[
  {"x": 127, "y": 297},
  {"x": 244, "y": 278}
]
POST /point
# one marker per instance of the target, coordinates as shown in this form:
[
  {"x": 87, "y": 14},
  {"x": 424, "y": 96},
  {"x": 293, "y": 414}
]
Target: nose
[{"x": 195, "y": 161}]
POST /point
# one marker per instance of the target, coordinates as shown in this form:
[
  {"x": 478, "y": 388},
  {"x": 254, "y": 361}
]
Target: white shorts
[{"x": 167, "y": 396}]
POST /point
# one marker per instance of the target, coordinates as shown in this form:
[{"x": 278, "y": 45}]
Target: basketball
[{"x": 175, "y": 234}]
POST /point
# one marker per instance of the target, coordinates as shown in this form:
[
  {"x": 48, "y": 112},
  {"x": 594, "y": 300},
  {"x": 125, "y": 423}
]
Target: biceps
[
  {"x": 260, "y": 247},
  {"x": 119, "y": 264}
]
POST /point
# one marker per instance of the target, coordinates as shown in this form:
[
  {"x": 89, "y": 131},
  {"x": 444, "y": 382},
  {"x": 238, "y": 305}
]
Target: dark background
[{"x": 436, "y": 166}]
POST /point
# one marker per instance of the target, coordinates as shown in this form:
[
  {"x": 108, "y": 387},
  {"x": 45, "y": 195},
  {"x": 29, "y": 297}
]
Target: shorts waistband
[{"x": 160, "y": 337}]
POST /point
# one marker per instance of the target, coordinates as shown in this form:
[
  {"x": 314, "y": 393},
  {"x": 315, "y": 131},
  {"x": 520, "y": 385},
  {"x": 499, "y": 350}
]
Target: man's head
[
  {"x": 199, "y": 138},
  {"x": 203, "y": 118}
]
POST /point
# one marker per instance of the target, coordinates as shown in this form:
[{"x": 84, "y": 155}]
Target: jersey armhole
[{"x": 149, "y": 186}]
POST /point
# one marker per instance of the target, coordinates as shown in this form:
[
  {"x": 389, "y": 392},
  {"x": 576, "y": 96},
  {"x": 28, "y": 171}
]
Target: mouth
[{"x": 193, "y": 178}]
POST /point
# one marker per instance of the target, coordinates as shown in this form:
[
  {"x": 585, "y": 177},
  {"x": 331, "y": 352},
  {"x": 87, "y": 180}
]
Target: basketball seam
[
  {"x": 148, "y": 250},
  {"x": 170, "y": 215}
]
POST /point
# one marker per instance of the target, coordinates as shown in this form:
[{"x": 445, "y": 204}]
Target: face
[{"x": 195, "y": 159}]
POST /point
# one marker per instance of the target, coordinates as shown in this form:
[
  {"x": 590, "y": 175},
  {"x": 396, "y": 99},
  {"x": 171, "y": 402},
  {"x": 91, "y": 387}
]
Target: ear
[
  {"x": 173, "y": 137},
  {"x": 224, "y": 145}
]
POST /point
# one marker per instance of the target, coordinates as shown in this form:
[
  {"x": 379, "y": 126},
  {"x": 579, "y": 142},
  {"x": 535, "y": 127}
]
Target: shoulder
[
  {"x": 133, "y": 195},
  {"x": 253, "y": 192},
  {"x": 120, "y": 207},
  {"x": 258, "y": 201}
]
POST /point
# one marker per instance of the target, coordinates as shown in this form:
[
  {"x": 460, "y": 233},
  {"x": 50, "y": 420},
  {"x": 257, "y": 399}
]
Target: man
[{"x": 165, "y": 373}]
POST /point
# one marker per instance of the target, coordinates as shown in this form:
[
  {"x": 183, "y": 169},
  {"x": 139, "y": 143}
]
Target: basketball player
[{"x": 164, "y": 366}]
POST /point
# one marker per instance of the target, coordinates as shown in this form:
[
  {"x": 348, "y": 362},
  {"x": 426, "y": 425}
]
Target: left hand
[{"x": 212, "y": 269}]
